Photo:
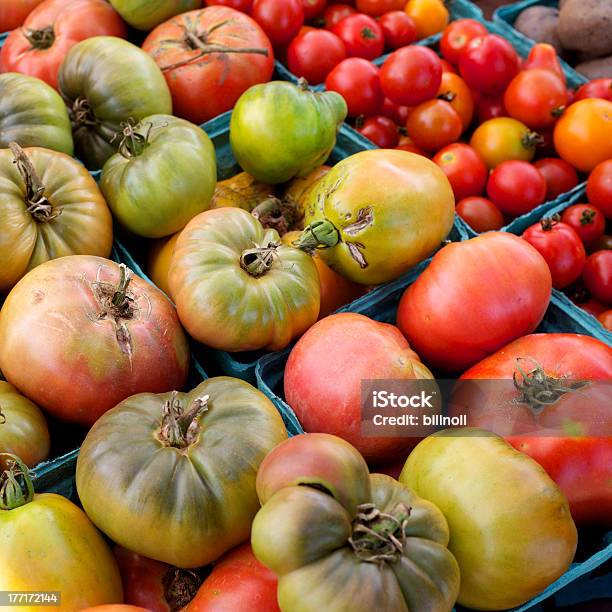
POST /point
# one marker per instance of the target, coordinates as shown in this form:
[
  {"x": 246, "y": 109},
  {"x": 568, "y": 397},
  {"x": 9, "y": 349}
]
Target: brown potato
[
  {"x": 540, "y": 24},
  {"x": 586, "y": 26},
  {"x": 596, "y": 69}
]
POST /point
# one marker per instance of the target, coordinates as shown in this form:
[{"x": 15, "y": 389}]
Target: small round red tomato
[
  {"x": 605, "y": 318},
  {"x": 456, "y": 37},
  {"x": 516, "y": 187},
  {"x": 587, "y": 220},
  {"x": 447, "y": 66},
  {"x": 281, "y": 20},
  {"x": 454, "y": 90},
  {"x": 244, "y": 6},
  {"x": 434, "y": 124},
  {"x": 314, "y": 54},
  {"x": 406, "y": 144},
  {"x": 376, "y": 8},
  {"x": 592, "y": 306},
  {"x": 597, "y": 275},
  {"x": 381, "y": 130},
  {"x": 558, "y": 174},
  {"x": 488, "y": 64},
  {"x": 561, "y": 247},
  {"x": 480, "y": 214},
  {"x": 599, "y": 187},
  {"x": 394, "y": 111},
  {"x": 358, "y": 81},
  {"x": 361, "y": 35},
  {"x": 312, "y": 8},
  {"x": 489, "y": 107},
  {"x": 335, "y": 13},
  {"x": 398, "y": 29},
  {"x": 411, "y": 75},
  {"x": 597, "y": 88},
  {"x": 605, "y": 242},
  {"x": 464, "y": 169}
]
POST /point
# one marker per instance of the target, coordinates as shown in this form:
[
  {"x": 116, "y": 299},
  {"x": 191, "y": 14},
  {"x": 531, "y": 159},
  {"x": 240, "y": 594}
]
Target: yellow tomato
[
  {"x": 429, "y": 16},
  {"x": 160, "y": 257}
]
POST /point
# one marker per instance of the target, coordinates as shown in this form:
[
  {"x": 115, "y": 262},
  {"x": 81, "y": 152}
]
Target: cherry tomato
[
  {"x": 454, "y": 90},
  {"x": 593, "y": 307},
  {"x": 358, "y": 81},
  {"x": 406, "y": 144},
  {"x": 543, "y": 55},
  {"x": 314, "y": 54},
  {"x": 480, "y": 214},
  {"x": 599, "y": 187},
  {"x": 489, "y": 107},
  {"x": 433, "y": 125},
  {"x": 361, "y": 35},
  {"x": 447, "y": 66},
  {"x": 394, "y": 111},
  {"x": 398, "y": 29},
  {"x": 605, "y": 318},
  {"x": 516, "y": 187},
  {"x": 281, "y": 20},
  {"x": 244, "y": 6},
  {"x": 335, "y": 13},
  {"x": 488, "y": 64},
  {"x": 587, "y": 220},
  {"x": 313, "y": 8},
  {"x": 558, "y": 174},
  {"x": 597, "y": 275},
  {"x": 376, "y": 8},
  {"x": 430, "y": 16},
  {"x": 597, "y": 88},
  {"x": 411, "y": 75},
  {"x": 464, "y": 170},
  {"x": 381, "y": 130},
  {"x": 456, "y": 37},
  {"x": 561, "y": 247},
  {"x": 605, "y": 242}
]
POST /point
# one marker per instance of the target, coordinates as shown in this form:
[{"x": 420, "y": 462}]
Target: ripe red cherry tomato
[
  {"x": 456, "y": 37},
  {"x": 394, "y": 111},
  {"x": 593, "y": 307},
  {"x": 398, "y": 29},
  {"x": 312, "y": 8},
  {"x": 314, "y": 54},
  {"x": 558, "y": 174},
  {"x": 335, "y": 13},
  {"x": 605, "y": 318},
  {"x": 406, "y": 144},
  {"x": 361, "y": 35},
  {"x": 447, "y": 67},
  {"x": 561, "y": 247},
  {"x": 411, "y": 75},
  {"x": 358, "y": 81},
  {"x": 489, "y": 107},
  {"x": 381, "y": 130},
  {"x": 587, "y": 220},
  {"x": 599, "y": 187},
  {"x": 281, "y": 20},
  {"x": 597, "y": 275},
  {"x": 433, "y": 125},
  {"x": 376, "y": 8},
  {"x": 464, "y": 169},
  {"x": 516, "y": 187},
  {"x": 488, "y": 64},
  {"x": 480, "y": 214},
  {"x": 597, "y": 88},
  {"x": 244, "y": 6}
]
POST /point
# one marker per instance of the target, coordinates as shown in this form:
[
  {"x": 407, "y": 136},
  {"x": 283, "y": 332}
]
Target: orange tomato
[
  {"x": 160, "y": 256},
  {"x": 455, "y": 90},
  {"x": 430, "y": 16}
]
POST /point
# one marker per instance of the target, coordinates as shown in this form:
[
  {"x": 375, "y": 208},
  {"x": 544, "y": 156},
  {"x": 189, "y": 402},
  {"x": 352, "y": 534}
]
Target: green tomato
[
  {"x": 280, "y": 130},
  {"x": 146, "y": 14},
  {"x": 164, "y": 175},
  {"x": 105, "y": 82},
  {"x": 33, "y": 114}
]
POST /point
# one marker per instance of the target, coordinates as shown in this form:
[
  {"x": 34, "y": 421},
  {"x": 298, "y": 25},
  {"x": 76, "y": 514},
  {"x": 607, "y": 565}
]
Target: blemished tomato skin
[
  {"x": 358, "y": 81},
  {"x": 597, "y": 275},
  {"x": 463, "y": 168},
  {"x": 314, "y": 54},
  {"x": 480, "y": 214},
  {"x": 587, "y": 220},
  {"x": 558, "y": 174},
  {"x": 456, "y": 37},
  {"x": 599, "y": 187}
]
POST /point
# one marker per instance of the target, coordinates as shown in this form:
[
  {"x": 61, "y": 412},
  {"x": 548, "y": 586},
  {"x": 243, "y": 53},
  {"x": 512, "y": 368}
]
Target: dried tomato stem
[
  {"x": 16, "y": 488},
  {"x": 258, "y": 260},
  {"x": 40, "y": 39},
  {"x": 180, "y": 429}
]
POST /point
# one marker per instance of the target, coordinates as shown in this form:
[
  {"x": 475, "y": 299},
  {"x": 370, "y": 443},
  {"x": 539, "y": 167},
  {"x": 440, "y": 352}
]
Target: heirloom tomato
[
  {"x": 597, "y": 275},
  {"x": 358, "y": 81},
  {"x": 145, "y": 15},
  {"x": 456, "y": 37},
  {"x": 599, "y": 187},
  {"x": 463, "y": 168},
  {"x": 14, "y": 12},
  {"x": 558, "y": 174},
  {"x": 160, "y": 257},
  {"x": 587, "y": 220},
  {"x": 480, "y": 214},
  {"x": 516, "y": 187}
]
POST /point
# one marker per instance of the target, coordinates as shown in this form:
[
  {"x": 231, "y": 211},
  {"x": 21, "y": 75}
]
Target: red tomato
[
  {"x": 558, "y": 174},
  {"x": 447, "y": 67},
  {"x": 592, "y": 306},
  {"x": 434, "y": 124},
  {"x": 597, "y": 88},
  {"x": 314, "y": 54},
  {"x": 605, "y": 242},
  {"x": 599, "y": 187},
  {"x": 516, "y": 187},
  {"x": 14, "y": 12},
  {"x": 381, "y": 130},
  {"x": 313, "y": 8},
  {"x": 411, "y": 75},
  {"x": 281, "y": 20},
  {"x": 376, "y": 8},
  {"x": 406, "y": 144},
  {"x": 480, "y": 214},
  {"x": 561, "y": 247},
  {"x": 398, "y": 29},
  {"x": 335, "y": 13},
  {"x": 358, "y": 81},
  {"x": 490, "y": 107},
  {"x": 605, "y": 318},
  {"x": 361, "y": 35},
  {"x": 597, "y": 275},
  {"x": 464, "y": 169},
  {"x": 394, "y": 111},
  {"x": 587, "y": 220},
  {"x": 497, "y": 287},
  {"x": 244, "y": 6},
  {"x": 543, "y": 55},
  {"x": 238, "y": 581},
  {"x": 456, "y": 37},
  {"x": 488, "y": 64},
  {"x": 454, "y": 90}
]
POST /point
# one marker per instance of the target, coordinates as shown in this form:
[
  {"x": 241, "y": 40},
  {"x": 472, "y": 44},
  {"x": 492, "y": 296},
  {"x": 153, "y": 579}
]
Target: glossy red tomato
[
  {"x": 281, "y": 20},
  {"x": 411, "y": 75},
  {"x": 335, "y": 13},
  {"x": 558, "y": 174},
  {"x": 447, "y": 66},
  {"x": 243, "y": 6},
  {"x": 597, "y": 275},
  {"x": 376, "y": 8},
  {"x": 361, "y": 35},
  {"x": 605, "y": 242},
  {"x": 464, "y": 169},
  {"x": 489, "y": 107},
  {"x": 599, "y": 187},
  {"x": 605, "y": 318},
  {"x": 561, "y": 247},
  {"x": 314, "y": 54},
  {"x": 14, "y": 12},
  {"x": 406, "y": 144},
  {"x": 516, "y": 187},
  {"x": 394, "y": 111},
  {"x": 488, "y": 64},
  {"x": 597, "y": 88},
  {"x": 398, "y": 29},
  {"x": 587, "y": 220},
  {"x": 480, "y": 214},
  {"x": 456, "y": 37},
  {"x": 543, "y": 55},
  {"x": 358, "y": 81},
  {"x": 434, "y": 125},
  {"x": 313, "y": 8},
  {"x": 381, "y": 130}
]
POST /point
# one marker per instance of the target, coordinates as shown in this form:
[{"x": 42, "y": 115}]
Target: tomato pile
[{"x": 196, "y": 493}]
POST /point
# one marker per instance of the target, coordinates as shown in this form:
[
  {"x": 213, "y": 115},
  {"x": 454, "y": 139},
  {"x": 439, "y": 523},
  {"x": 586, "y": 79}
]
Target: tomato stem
[
  {"x": 319, "y": 234},
  {"x": 181, "y": 586},
  {"x": 259, "y": 260},
  {"x": 40, "y": 39},
  {"x": 548, "y": 223},
  {"x": 180, "y": 429},
  {"x": 125, "y": 276},
  {"x": 281, "y": 215},
  {"x": 133, "y": 143},
  {"x": 16, "y": 488},
  {"x": 531, "y": 140}
]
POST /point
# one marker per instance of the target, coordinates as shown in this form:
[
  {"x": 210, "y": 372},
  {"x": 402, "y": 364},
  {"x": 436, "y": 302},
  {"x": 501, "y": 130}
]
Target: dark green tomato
[
  {"x": 146, "y": 14},
  {"x": 326, "y": 559},
  {"x": 172, "y": 476},
  {"x": 280, "y": 130},
  {"x": 164, "y": 175},
  {"x": 32, "y": 114},
  {"x": 105, "y": 81}
]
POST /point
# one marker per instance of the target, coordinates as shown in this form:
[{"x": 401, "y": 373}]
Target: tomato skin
[
  {"x": 464, "y": 169},
  {"x": 455, "y": 91},
  {"x": 592, "y": 306},
  {"x": 543, "y": 55},
  {"x": 281, "y": 20},
  {"x": 560, "y": 176},
  {"x": 335, "y": 13},
  {"x": 418, "y": 66},
  {"x": 376, "y": 8},
  {"x": 597, "y": 88},
  {"x": 358, "y": 81},
  {"x": 394, "y": 111},
  {"x": 362, "y": 36},
  {"x": 313, "y": 8},
  {"x": 599, "y": 187},
  {"x": 605, "y": 318},
  {"x": 381, "y": 130},
  {"x": 430, "y": 16},
  {"x": 398, "y": 29},
  {"x": 158, "y": 264},
  {"x": 516, "y": 187},
  {"x": 314, "y": 54},
  {"x": 489, "y": 107},
  {"x": 146, "y": 16},
  {"x": 456, "y": 37},
  {"x": 597, "y": 275},
  {"x": 587, "y": 220},
  {"x": 605, "y": 242},
  {"x": 14, "y": 12},
  {"x": 434, "y": 125},
  {"x": 244, "y": 6},
  {"x": 480, "y": 214}
]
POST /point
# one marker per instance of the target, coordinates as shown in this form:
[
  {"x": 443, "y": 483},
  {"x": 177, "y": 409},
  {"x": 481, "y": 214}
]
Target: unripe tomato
[
  {"x": 430, "y": 16},
  {"x": 516, "y": 187},
  {"x": 361, "y": 35},
  {"x": 456, "y": 37},
  {"x": 599, "y": 187},
  {"x": 480, "y": 214},
  {"x": 358, "y": 81},
  {"x": 376, "y": 8},
  {"x": 335, "y": 13},
  {"x": 597, "y": 88},
  {"x": 398, "y": 29},
  {"x": 314, "y": 54},
  {"x": 597, "y": 275},
  {"x": 455, "y": 91},
  {"x": 587, "y": 220},
  {"x": 464, "y": 169},
  {"x": 281, "y": 20},
  {"x": 434, "y": 124},
  {"x": 560, "y": 176},
  {"x": 381, "y": 130}
]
